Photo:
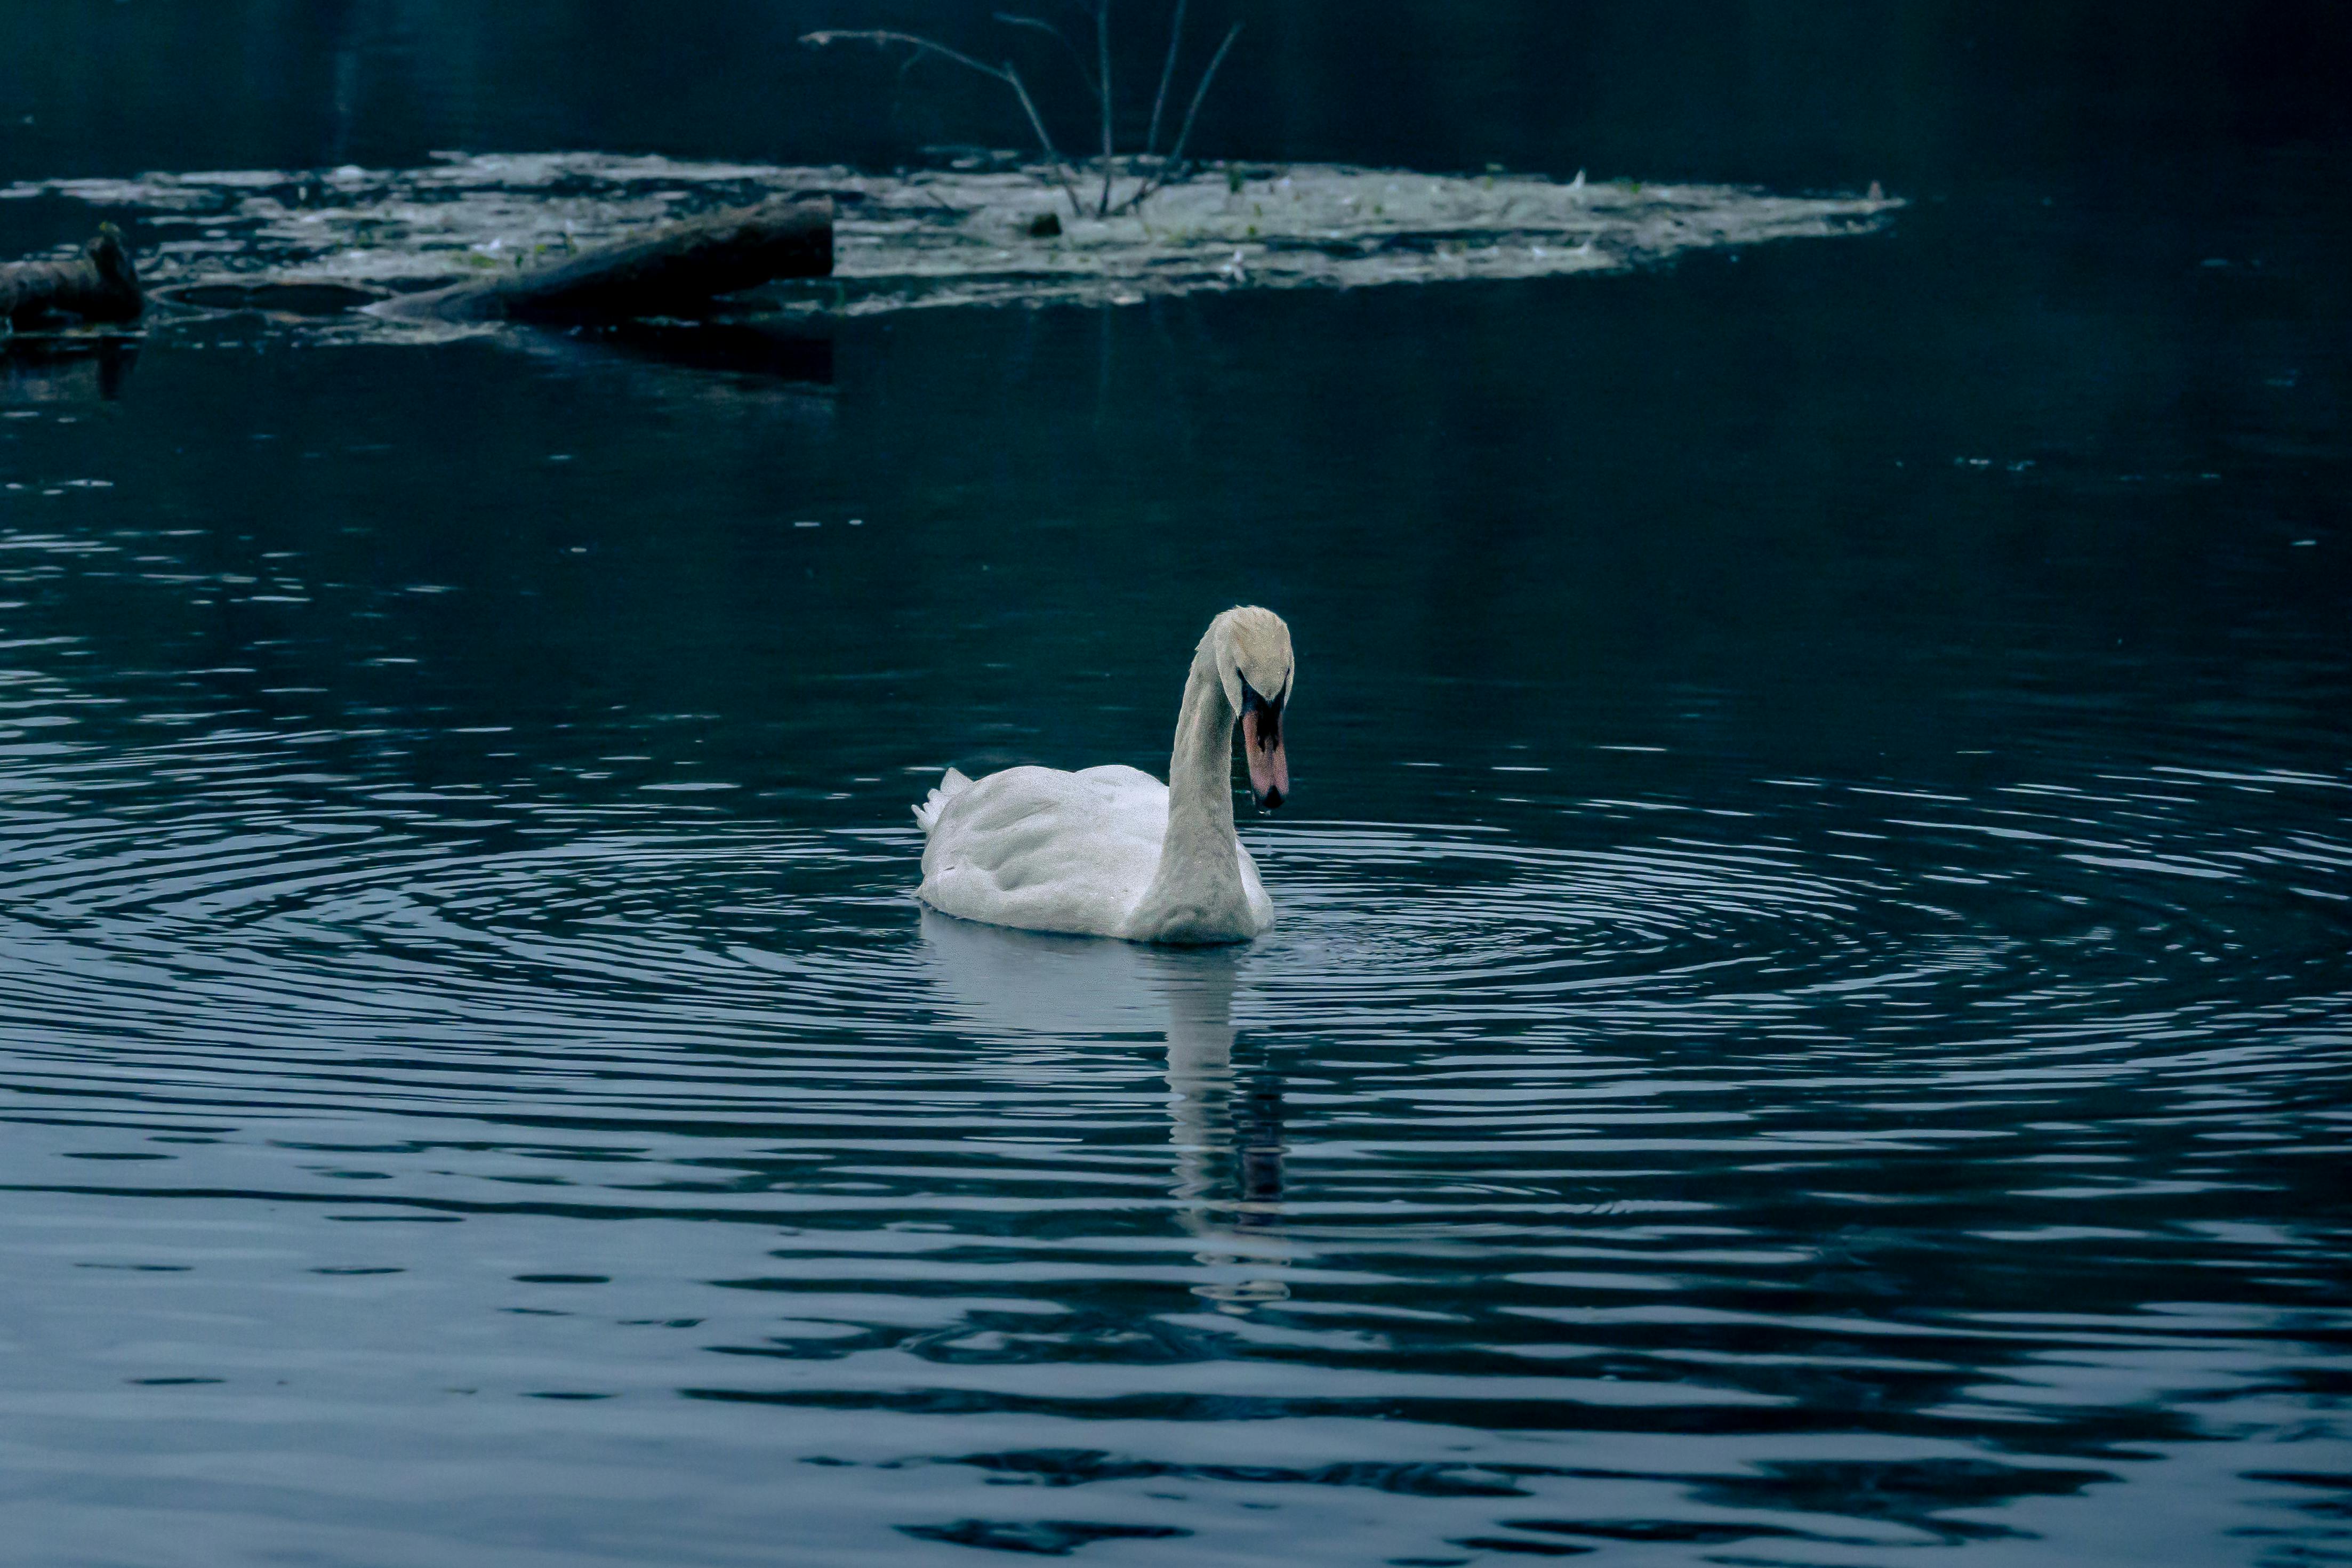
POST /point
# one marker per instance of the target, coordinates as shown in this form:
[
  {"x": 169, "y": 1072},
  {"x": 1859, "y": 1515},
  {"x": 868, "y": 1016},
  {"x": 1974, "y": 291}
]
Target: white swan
[{"x": 1112, "y": 851}]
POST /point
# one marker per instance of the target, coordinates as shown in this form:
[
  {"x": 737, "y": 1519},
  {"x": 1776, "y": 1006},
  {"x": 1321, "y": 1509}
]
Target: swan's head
[{"x": 1255, "y": 665}]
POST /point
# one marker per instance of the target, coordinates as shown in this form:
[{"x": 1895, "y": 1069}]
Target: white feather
[
  {"x": 1090, "y": 852},
  {"x": 950, "y": 786}
]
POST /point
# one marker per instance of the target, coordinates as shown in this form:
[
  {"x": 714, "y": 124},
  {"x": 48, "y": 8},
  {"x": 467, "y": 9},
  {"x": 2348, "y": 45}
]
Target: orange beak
[{"x": 1269, "y": 770}]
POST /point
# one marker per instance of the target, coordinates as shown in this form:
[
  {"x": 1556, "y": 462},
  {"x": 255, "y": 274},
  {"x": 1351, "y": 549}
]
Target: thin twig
[
  {"x": 880, "y": 37},
  {"x": 1059, "y": 36},
  {"x": 1167, "y": 75},
  {"x": 1102, "y": 74},
  {"x": 1061, "y": 169},
  {"x": 1176, "y": 154}
]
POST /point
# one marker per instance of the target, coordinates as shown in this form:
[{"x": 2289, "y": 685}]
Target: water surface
[{"x": 1810, "y": 1021}]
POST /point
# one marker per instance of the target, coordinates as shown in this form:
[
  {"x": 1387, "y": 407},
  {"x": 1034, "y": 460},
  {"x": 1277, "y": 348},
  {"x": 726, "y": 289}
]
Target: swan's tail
[{"x": 953, "y": 785}]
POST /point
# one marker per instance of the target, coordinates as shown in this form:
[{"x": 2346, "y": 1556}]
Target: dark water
[{"x": 1812, "y": 1020}]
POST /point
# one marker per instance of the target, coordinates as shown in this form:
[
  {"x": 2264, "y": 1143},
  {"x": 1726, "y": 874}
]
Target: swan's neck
[
  {"x": 1197, "y": 894},
  {"x": 1201, "y": 775}
]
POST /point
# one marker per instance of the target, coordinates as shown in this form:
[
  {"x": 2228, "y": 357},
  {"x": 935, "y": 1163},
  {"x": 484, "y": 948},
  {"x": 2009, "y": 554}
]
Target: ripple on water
[
  {"x": 1984, "y": 947},
  {"x": 1838, "y": 1172}
]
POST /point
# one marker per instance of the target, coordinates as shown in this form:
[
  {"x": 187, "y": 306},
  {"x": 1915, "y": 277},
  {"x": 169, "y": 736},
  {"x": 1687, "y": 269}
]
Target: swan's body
[
  {"x": 1112, "y": 851},
  {"x": 1049, "y": 850}
]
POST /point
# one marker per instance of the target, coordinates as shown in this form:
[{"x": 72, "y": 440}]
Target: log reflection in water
[{"x": 66, "y": 368}]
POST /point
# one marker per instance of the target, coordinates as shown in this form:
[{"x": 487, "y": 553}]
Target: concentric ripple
[
  {"x": 382, "y": 921},
  {"x": 471, "y": 931},
  {"x": 1833, "y": 1139},
  {"x": 1558, "y": 1179}
]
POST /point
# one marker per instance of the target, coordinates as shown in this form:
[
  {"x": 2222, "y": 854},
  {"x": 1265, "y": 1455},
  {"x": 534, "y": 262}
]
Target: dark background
[
  {"x": 1927, "y": 97},
  {"x": 2121, "y": 285}
]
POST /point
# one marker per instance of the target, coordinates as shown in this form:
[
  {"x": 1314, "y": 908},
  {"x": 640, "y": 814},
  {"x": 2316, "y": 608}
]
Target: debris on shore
[{"x": 497, "y": 235}]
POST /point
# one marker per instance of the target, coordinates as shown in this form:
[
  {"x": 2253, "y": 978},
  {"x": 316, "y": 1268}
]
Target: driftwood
[
  {"x": 100, "y": 285},
  {"x": 674, "y": 270}
]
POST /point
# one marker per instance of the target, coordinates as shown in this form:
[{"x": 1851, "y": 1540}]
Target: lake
[{"x": 1811, "y": 1017}]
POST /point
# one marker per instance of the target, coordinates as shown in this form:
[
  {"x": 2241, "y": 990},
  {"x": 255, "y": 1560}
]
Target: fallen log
[
  {"x": 677, "y": 269},
  {"x": 99, "y": 285}
]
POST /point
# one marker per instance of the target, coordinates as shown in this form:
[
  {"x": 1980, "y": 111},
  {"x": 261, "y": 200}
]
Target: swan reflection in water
[{"x": 1224, "y": 1124}]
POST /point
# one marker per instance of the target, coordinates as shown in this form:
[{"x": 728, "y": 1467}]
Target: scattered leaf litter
[{"x": 956, "y": 235}]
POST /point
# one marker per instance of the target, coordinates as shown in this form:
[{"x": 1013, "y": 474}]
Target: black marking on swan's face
[{"x": 1269, "y": 720}]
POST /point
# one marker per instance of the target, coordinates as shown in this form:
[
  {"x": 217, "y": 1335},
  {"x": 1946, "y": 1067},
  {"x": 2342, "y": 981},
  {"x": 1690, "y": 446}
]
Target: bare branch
[
  {"x": 1061, "y": 169},
  {"x": 881, "y": 38},
  {"x": 1102, "y": 73},
  {"x": 1176, "y": 154},
  {"x": 1167, "y": 75},
  {"x": 1059, "y": 36}
]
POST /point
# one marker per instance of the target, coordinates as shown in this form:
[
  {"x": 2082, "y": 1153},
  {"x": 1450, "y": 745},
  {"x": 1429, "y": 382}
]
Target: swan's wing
[
  {"x": 1047, "y": 851},
  {"x": 1134, "y": 804},
  {"x": 1119, "y": 775},
  {"x": 955, "y": 783}
]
